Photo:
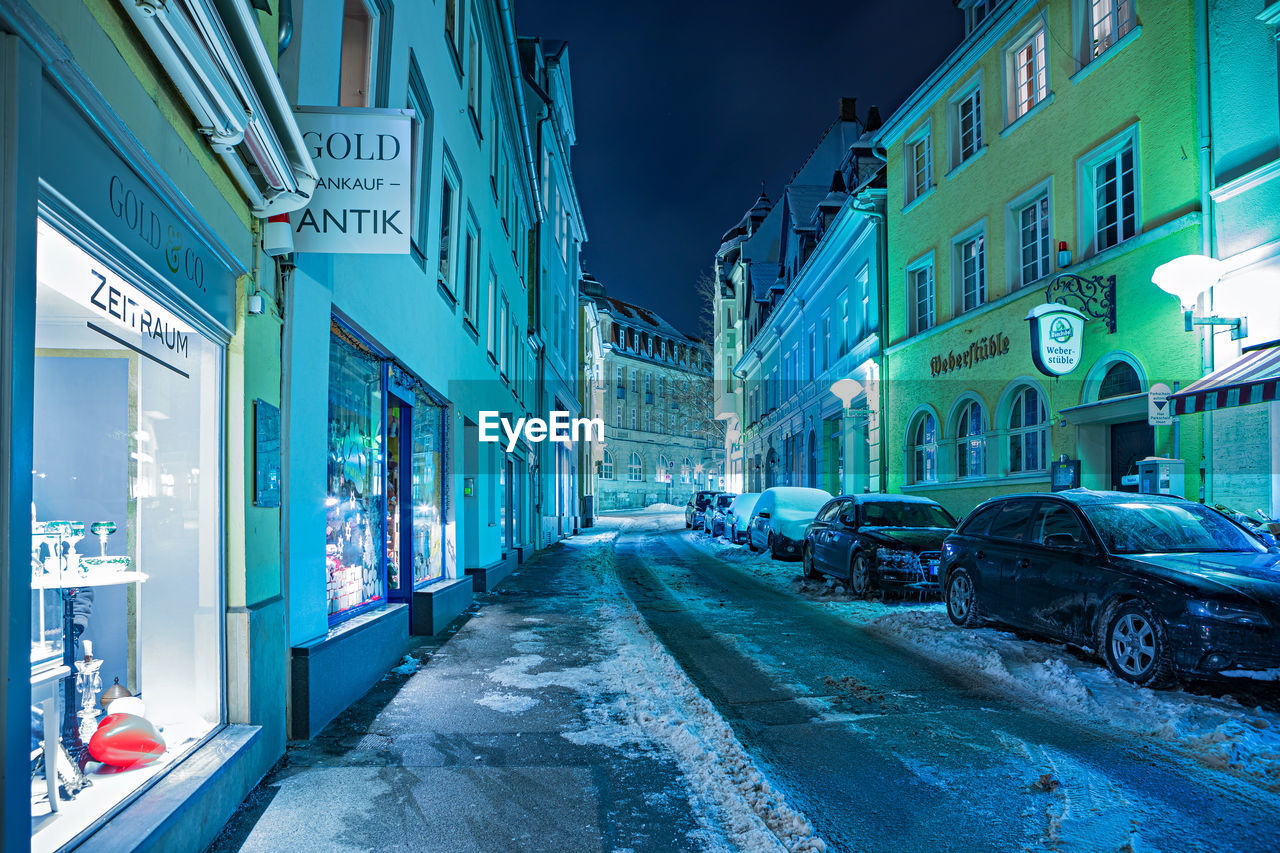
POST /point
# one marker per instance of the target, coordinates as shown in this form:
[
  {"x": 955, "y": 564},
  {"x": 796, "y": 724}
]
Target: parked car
[
  {"x": 780, "y": 518},
  {"x": 713, "y": 519},
  {"x": 1163, "y": 587},
  {"x": 696, "y": 507},
  {"x": 878, "y": 541},
  {"x": 738, "y": 516}
]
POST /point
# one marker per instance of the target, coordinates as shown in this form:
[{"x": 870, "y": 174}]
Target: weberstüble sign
[
  {"x": 365, "y": 162},
  {"x": 1057, "y": 338}
]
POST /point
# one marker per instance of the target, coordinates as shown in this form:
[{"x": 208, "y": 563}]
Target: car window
[
  {"x": 1055, "y": 518},
  {"x": 830, "y": 511},
  {"x": 1011, "y": 521},
  {"x": 905, "y": 514},
  {"x": 977, "y": 522},
  {"x": 1149, "y": 528}
]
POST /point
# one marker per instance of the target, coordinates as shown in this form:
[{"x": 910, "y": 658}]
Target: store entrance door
[
  {"x": 1130, "y": 441},
  {"x": 399, "y": 505}
]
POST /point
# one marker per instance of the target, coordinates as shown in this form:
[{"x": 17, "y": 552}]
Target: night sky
[{"x": 683, "y": 108}]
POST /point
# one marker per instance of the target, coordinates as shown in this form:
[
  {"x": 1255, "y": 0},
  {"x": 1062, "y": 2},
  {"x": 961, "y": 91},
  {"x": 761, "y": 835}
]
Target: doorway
[
  {"x": 1130, "y": 441},
  {"x": 399, "y": 517}
]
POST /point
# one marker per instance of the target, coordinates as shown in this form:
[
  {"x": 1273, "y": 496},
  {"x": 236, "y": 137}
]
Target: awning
[{"x": 1252, "y": 379}]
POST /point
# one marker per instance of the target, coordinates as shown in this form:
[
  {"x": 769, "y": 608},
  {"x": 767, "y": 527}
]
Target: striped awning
[{"x": 1254, "y": 378}]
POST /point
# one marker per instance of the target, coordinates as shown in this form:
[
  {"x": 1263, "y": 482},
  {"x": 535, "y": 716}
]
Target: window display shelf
[{"x": 72, "y": 580}]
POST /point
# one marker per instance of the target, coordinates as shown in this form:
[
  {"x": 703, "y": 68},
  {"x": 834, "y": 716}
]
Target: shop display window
[
  {"x": 428, "y": 483},
  {"x": 354, "y": 508},
  {"x": 126, "y": 544}
]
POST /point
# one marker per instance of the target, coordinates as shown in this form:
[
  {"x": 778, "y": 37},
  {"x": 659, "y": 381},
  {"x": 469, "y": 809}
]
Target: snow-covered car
[
  {"x": 738, "y": 517},
  {"x": 1164, "y": 587},
  {"x": 697, "y": 507},
  {"x": 878, "y": 541},
  {"x": 713, "y": 519},
  {"x": 781, "y": 517}
]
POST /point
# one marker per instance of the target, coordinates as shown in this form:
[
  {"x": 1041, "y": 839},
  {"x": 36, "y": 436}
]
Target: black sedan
[
  {"x": 878, "y": 541},
  {"x": 1165, "y": 588},
  {"x": 697, "y": 507}
]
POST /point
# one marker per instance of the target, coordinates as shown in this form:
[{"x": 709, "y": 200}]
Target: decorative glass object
[
  {"x": 103, "y": 529},
  {"x": 88, "y": 683}
]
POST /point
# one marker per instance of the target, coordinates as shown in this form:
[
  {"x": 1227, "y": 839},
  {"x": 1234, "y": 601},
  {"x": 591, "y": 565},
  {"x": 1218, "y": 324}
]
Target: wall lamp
[
  {"x": 1189, "y": 276},
  {"x": 846, "y": 390}
]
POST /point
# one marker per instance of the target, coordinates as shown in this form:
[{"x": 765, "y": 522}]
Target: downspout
[
  {"x": 517, "y": 84},
  {"x": 882, "y": 309},
  {"x": 1208, "y": 232}
]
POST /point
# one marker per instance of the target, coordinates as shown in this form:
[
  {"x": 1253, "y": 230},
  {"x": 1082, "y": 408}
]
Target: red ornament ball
[{"x": 126, "y": 740}]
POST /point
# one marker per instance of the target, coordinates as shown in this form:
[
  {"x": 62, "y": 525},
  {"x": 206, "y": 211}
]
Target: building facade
[
  {"x": 553, "y": 308},
  {"x": 1240, "y": 150},
  {"x": 661, "y": 441},
  {"x": 141, "y": 330},
  {"x": 805, "y": 290},
  {"x": 1019, "y": 174}
]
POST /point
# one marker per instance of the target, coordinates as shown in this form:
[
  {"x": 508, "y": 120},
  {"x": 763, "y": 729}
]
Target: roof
[
  {"x": 762, "y": 276},
  {"x": 802, "y": 199},
  {"x": 643, "y": 318}
]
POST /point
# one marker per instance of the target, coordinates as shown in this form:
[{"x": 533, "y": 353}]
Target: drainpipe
[
  {"x": 517, "y": 84},
  {"x": 1208, "y": 232}
]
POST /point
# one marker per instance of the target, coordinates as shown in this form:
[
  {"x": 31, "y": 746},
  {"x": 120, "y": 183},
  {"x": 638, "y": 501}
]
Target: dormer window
[{"x": 977, "y": 11}]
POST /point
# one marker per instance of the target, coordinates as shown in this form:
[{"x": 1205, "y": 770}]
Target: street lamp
[
  {"x": 847, "y": 390},
  {"x": 1189, "y": 276}
]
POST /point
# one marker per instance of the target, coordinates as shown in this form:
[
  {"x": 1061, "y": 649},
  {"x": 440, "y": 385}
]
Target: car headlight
[{"x": 1220, "y": 612}]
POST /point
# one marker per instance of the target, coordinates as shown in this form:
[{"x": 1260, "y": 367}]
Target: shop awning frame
[{"x": 1253, "y": 378}]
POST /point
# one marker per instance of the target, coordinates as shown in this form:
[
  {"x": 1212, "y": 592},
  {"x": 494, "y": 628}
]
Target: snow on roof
[
  {"x": 802, "y": 199},
  {"x": 762, "y": 275},
  {"x": 640, "y": 317}
]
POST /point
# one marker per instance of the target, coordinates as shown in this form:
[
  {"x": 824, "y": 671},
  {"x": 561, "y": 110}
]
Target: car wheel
[
  {"x": 859, "y": 575},
  {"x": 773, "y": 551},
  {"x": 1137, "y": 647},
  {"x": 810, "y": 571},
  {"x": 962, "y": 600}
]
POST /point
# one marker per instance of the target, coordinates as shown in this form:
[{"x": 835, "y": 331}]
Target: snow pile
[
  {"x": 408, "y": 666},
  {"x": 507, "y": 703},
  {"x": 652, "y": 509},
  {"x": 1218, "y": 732}
]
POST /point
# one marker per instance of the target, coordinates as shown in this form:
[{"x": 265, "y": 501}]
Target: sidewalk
[{"x": 551, "y": 721}]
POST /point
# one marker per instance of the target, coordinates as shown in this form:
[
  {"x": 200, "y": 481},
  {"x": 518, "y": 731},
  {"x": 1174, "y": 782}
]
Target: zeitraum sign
[
  {"x": 361, "y": 201},
  {"x": 1057, "y": 338}
]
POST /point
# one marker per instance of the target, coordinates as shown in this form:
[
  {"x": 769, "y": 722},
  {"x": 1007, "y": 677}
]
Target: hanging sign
[
  {"x": 1159, "y": 408},
  {"x": 361, "y": 203},
  {"x": 1057, "y": 338}
]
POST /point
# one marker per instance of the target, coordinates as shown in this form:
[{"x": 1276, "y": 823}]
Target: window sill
[
  {"x": 447, "y": 295},
  {"x": 1027, "y": 116},
  {"x": 471, "y": 329},
  {"x": 960, "y": 167},
  {"x": 475, "y": 123},
  {"x": 1096, "y": 61},
  {"x": 453, "y": 54},
  {"x": 918, "y": 199}
]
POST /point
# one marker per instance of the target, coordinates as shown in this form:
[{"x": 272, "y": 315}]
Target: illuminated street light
[{"x": 1189, "y": 276}]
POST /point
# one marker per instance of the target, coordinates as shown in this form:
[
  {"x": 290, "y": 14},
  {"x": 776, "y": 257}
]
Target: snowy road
[{"x": 883, "y": 748}]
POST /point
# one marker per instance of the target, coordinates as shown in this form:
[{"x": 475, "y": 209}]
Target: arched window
[
  {"x": 1028, "y": 432},
  {"x": 607, "y": 469},
  {"x": 971, "y": 443},
  {"x": 686, "y": 471},
  {"x": 635, "y": 470},
  {"x": 1120, "y": 379},
  {"x": 924, "y": 455}
]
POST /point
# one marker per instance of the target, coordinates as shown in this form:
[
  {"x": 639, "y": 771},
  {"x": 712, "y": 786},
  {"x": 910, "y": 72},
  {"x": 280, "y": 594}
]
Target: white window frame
[
  {"x": 923, "y": 264},
  {"x": 960, "y": 302},
  {"x": 915, "y": 189},
  {"x": 1014, "y": 273},
  {"x": 967, "y": 96},
  {"x": 635, "y": 468},
  {"x": 448, "y": 247},
  {"x": 1086, "y": 183},
  {"x": 471, "y": 270},
  {"x": 1101, "y": 25},
  {"x": 1036, "y": 36},
  {"x": 606, "y": 467}
]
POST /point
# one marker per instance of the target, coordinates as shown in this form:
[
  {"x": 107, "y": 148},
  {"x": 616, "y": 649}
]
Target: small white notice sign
[
  {"x": 361, "y": 201},
  {"x": 1159, "y": 406}
]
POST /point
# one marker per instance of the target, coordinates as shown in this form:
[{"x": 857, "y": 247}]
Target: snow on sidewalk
[
  {"x": 1219, "y": 732},
  {"x": 638, "y": 696}
]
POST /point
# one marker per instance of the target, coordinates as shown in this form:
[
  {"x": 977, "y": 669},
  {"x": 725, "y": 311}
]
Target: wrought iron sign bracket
[{"x": 1096, "y": 296}]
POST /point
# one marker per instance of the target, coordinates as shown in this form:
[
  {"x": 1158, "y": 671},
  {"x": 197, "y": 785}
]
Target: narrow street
[{"x": 554, "y": 719}]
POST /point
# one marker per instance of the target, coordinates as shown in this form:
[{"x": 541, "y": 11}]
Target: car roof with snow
[
  {"x": 1090, "y": 497},
  {"x": 887, "y": 498},
  {"x": 800, "y": 494}
]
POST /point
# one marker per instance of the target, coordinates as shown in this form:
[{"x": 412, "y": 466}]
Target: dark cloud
[{"x": 683, "y": 108}]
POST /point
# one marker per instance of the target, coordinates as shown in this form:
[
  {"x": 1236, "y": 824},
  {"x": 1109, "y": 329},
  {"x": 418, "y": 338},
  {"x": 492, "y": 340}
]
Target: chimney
[
  {"x": 848, "y": 109},
  {"x": 873, "y": 119}
]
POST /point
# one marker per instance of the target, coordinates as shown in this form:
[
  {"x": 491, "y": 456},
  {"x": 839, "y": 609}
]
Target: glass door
[{"x": 399, "y": 510}]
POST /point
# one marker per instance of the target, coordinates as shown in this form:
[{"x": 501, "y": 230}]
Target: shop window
[
  {"x": 924, "y": 450},
  {"x": 971, "y": 442},
  {"x": 428, "y": 489},
  {"x": 1028, "y": 432},
  {"x": 606, "y": 469},
  {"x": 635, "y": 469},
  {"x": 354, "y": 504},
  {"x": 127, "y": 534}
]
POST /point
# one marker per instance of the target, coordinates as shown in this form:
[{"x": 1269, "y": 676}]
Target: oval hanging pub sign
[{"x": 1057, "y": 338}]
